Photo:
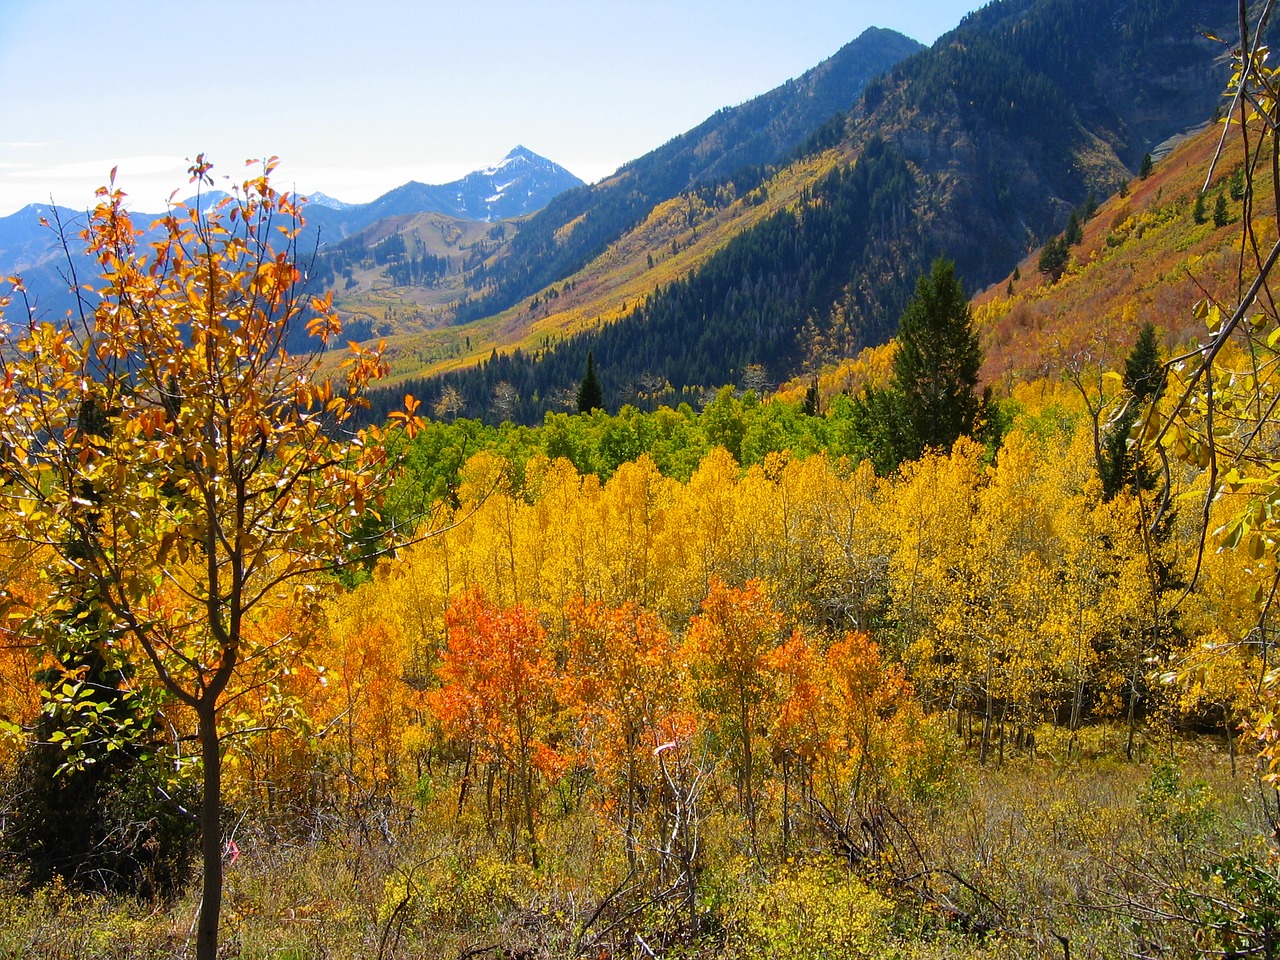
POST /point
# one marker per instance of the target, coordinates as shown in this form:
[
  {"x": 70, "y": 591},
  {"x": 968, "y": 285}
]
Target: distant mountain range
[
  {"x": 520, "y": 184},
  {"x": 777, "y": 236}
]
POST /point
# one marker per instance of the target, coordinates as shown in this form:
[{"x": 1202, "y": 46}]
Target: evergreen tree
[
  {"x": 811, "y": 400},
  {"x": 936, "y": 365},
  {"x": 1197, "y": 211},
  {"x": 878, "y": 429},
  {"x": 1053, "y": 258},
  {"x": 590, "y": 394},
  {"x": 1144, "y": 370},
  {"x": 1220, "y": 216},
  {"x": 1144, "y": 382},
  {"x": 1074, "y": 233},
  {"x": 1145, "y": 170},
  {"x": 1236, "y": 184},
  {"x": 930, "y": 401}
]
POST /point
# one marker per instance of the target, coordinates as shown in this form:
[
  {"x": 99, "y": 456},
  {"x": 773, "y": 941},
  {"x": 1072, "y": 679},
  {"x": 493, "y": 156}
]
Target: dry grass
[{"x": 1008, "y": 862}]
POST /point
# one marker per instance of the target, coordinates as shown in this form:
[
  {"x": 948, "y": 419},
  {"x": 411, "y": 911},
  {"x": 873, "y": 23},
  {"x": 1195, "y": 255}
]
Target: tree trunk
[
  {"x": 786, "y": 805},
  {"x": 986, "y": 720},
  {"x": 632, "y": 774},
  {"x": 748, "y": 774},
  {"x": 1133, "y": 713},
  {"x": 526, "y": 785},
  {"x": 1000, "y": 737},
  {"x": 210, "y": 833},
  {"x": 1231, "y": 742}
]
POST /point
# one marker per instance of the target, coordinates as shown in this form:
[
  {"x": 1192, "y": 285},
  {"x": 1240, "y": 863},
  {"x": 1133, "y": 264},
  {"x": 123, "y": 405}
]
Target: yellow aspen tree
[
  {"x": 566, "y": 543},
  {"x": 780, "y": 503},
  {"x": 700, "y": 535},
  {"x": 854, "y": 545},
  {"x": 930, "y": 510},
  {"x": 634, "y": 508}
]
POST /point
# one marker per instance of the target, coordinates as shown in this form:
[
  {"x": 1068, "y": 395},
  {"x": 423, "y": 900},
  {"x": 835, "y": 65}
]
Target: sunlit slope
[
  {"x": 368, "y": 295},
  {"x": 979, "y": 148},
  {"x": 1143, "y": 258},
  {"x": 673, "y": 241}
]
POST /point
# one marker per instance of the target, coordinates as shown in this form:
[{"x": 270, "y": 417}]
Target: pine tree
[
  {"x": 811, "y": 400},
  {"x": 1144, "y": 382},
  {"x": 1145, "y": 170},
  {"x": 935, "y": 369},
  {"x": 1220, "y": 216},
  {"x": 1054, "y": 258},
  {"x": 1197, "y": 211},
  {"x": 1074, "y": 233},
  {"x": 1143, "y": 370},
  {"x": 1235, "y": 184},
  {"x": 590, "y": 394}
]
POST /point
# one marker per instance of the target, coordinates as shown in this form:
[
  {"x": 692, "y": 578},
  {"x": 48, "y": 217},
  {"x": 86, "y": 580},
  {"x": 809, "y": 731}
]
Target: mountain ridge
[
  {"x": 580, "y": 224},
  {"x": 527, "y": 181},
  {"x": 1005, "y": 125}
]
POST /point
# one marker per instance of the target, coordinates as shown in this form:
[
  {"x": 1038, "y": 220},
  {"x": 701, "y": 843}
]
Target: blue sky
[{"x": 359, "y": 97}]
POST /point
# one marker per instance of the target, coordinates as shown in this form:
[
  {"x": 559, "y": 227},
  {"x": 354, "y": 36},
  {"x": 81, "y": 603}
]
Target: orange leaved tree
[
  {"x": 730, "y": 645},
  {"x": 180, "y": 462},
  {"x": 622, "y": 683},
  {"x": 497, "y": 694}
]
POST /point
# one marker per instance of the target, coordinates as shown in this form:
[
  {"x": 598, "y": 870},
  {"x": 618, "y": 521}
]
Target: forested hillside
[
  {"x": 999, "y": 131},
  {"x": 752, "y": 298},
  {"x": 735, "y": 144}
]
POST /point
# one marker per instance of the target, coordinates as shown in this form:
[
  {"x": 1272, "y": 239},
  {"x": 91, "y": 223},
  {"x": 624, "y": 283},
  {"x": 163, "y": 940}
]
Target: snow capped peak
[
  {"x": 324, "y": 200},
  {"x": 519, "y": 155},
  {"x": 507, "y": 187}
]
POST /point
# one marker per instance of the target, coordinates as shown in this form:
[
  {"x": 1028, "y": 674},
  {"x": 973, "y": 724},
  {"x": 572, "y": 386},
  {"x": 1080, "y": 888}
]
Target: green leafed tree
[
  {"x": 931, "y": 400},
  {"x": 935, "y": 368},
  {"x": 1221, "y": 216},
  {"x": 1054, "y": 257},
  {"x": 1074, "y": 233}
]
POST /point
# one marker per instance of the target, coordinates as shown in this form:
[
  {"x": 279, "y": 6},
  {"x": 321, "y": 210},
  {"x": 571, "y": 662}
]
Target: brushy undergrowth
[{"x": 1094, "y": 857}]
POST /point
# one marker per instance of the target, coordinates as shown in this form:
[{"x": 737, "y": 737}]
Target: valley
[{"x": 848, "y": 530}]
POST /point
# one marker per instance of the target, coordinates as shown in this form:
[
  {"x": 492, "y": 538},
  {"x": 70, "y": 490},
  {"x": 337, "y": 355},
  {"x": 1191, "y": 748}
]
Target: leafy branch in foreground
[
  {"x": 1219, "y": 415},
  {"x": 175, "y": 460}
]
